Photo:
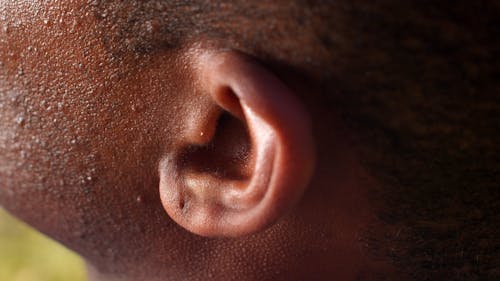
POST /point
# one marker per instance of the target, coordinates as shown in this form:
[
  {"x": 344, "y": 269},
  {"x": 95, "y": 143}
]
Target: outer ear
[{"x": 246, "y": 158}]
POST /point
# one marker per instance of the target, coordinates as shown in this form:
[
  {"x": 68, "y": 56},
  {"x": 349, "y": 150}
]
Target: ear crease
[{"x": 227, "y": 155}]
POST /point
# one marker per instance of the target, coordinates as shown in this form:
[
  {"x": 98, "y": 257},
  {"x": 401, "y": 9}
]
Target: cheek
[
  {"x": 81, "y": 166},
  {"x": 53, "y": 151},
  {"x": 45, "y": 161},
  {"x": 75, "y": 163},
  {"x": 45, "y": 122},
  {"x": 81, "y": 133}
]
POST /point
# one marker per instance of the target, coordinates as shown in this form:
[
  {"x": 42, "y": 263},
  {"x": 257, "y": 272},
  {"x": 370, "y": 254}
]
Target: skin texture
[
  {"x": 95, "y": 94},
  {"x": 91, "y": 129}
]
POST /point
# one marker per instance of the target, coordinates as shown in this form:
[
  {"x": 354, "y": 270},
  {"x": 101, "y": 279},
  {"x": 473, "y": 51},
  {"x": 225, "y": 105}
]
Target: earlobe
[{"x": 254, "y": 161}]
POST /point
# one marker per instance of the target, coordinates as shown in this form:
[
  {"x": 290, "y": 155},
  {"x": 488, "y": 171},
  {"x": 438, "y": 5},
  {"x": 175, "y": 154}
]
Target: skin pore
[{"x": 402, "y": 98}]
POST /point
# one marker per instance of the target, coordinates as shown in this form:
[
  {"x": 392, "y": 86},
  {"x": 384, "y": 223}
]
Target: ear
[{"x": 247, "y": 153}]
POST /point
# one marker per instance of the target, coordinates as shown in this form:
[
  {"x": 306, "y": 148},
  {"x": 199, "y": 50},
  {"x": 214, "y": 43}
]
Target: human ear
[{"x": 245, "y": 156}]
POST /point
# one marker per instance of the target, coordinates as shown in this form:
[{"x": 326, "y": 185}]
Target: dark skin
[{"x": 88, "y": 114}]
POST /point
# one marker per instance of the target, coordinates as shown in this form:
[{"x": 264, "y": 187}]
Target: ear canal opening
[{"x": 228, "y": 155}]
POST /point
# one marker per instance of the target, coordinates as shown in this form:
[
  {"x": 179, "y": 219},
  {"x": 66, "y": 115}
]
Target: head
[{"x": 255, "y": 139}]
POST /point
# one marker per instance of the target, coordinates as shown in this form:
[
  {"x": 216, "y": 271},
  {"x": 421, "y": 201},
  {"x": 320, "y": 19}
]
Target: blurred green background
[{"x": 27, "y": 255}]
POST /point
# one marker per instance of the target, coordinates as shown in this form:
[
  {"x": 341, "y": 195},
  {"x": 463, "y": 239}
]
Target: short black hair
[{"x": 420, "y": 87}]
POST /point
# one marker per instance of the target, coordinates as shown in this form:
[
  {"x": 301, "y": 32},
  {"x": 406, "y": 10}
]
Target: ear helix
[{"x": 252, "y": 113}]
